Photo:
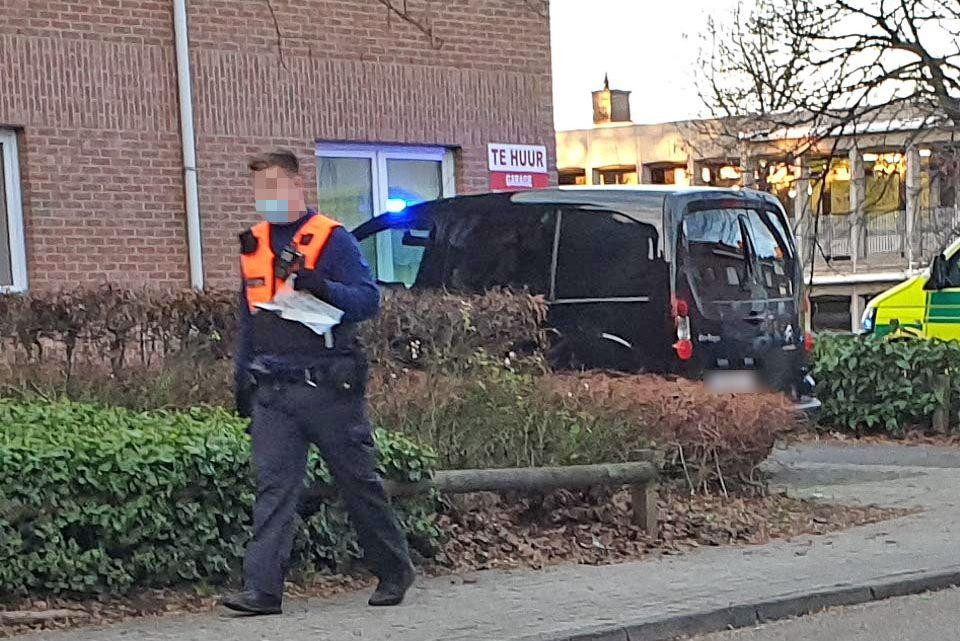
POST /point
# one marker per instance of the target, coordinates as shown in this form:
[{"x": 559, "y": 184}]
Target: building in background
[
  {"x": 384, "y": 106},
  {"x": 869, "y": 209}
]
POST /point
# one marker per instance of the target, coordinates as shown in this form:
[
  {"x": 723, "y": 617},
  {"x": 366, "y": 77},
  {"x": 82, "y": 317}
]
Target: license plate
[{"x": 733, "y": 382}]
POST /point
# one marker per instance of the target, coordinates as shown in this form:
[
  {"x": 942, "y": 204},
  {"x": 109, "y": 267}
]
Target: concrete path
[
  {"x": 656, "y": 599},
  {"x": 926, "y": 617}
]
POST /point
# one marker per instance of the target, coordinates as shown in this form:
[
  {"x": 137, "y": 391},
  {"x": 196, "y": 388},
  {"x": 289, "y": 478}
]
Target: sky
[{"x": 648, "y": 47}]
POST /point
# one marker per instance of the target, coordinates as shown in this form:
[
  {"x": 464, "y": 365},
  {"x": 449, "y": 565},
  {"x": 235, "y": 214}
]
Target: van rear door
[{"x": 737, "y": 266}]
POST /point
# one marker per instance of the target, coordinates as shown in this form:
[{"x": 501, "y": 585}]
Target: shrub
[
  {"x": 462, "y": 374},
  {"x": 884, "y": 386},
  {"x": 422, "y": 329},
  {"x": 155, "y": 349},
  {"x": 119, "y": 328},
  {"x": 494, "y": 415},
  {"x": 709, "y": 440},
  {"x": 102, "y": 500},
  {"x": 177, "y": 382},
  {"x": 500, "y": 416}
]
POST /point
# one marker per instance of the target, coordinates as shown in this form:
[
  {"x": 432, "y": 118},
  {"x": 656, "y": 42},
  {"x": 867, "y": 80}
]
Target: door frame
[{"x": 14, "y": 204}]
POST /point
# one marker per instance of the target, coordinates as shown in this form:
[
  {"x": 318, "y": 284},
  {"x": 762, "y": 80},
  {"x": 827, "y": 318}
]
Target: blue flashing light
[{"x": 395, "y": 205}]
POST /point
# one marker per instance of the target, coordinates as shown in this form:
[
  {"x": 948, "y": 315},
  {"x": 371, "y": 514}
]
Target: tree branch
[
  {"x": 276, "y": 25},
  {"x": 420, "y": 25}
]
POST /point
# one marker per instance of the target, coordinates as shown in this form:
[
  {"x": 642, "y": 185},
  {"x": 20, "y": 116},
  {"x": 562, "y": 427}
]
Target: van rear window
[{"x": 738, "y": 255}]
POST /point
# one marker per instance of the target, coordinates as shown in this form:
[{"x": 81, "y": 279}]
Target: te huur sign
[{"x": 517, "y": 167}]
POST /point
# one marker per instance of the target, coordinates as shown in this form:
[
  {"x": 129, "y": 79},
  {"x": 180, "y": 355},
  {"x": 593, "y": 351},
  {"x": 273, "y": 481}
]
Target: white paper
[{"x": 303, "y": 308}]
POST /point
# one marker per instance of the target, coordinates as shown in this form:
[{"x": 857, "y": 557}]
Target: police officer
[{"x": 300, "y": 388}]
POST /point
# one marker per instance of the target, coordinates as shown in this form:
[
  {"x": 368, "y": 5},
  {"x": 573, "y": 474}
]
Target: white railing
[
  {"x": 935, "y": 228},
  {"x": 834, "y": 236},
  {"x": 885, "y": 233},
  {"x": 884, "y": 239},
  {"x": 881, "y": 238}
]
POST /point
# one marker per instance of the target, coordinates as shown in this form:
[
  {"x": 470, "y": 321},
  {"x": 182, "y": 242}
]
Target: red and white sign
[{"x": 517, "y": 167}]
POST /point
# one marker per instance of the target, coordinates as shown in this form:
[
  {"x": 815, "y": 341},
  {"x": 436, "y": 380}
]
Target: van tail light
[
  {"x": 684, "y": 344},
  {"x": 808, "y": 343},
  {"x": 684, "y": 349}
]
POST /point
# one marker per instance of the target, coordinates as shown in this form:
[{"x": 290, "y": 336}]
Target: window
[
  {"x": 737, "y": 255},
  {"x": 669, "y": 175},
  {"x": 358, "y": 182},
  {"x": 953, "y": 271},
  {"x": 493, "y": 243},
  {"x": 831, "y": 313},
  {"x": 606, "y": 255},
  {"x": 572, "y": 177},
  {"x": 13, "y": 268},
  {"x": 616, "y": 176}
]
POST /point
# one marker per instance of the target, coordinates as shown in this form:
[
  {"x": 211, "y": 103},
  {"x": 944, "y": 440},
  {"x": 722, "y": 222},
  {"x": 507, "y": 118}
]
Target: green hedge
[
  {"x": 869, "y": 385},
  {"x": 96, "y": 500}
]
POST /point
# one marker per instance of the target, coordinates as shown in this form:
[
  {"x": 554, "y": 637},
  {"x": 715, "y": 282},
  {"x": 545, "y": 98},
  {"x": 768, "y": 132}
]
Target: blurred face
[{"x": 279, "y": 194}]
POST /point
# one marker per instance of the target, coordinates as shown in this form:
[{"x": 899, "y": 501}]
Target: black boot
[
  {"x": 391, "y": 591},
  {"x": 252, "y": 603}
]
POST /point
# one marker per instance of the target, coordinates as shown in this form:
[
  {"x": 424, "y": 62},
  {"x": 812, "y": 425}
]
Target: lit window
[
  {"x": 616, "y": 176},
  {"x": 572, "y": 177}
]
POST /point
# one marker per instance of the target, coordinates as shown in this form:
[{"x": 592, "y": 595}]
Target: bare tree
[
  {"x": 942, "y": 224},
  {"x": 826, "y": 66},
  {"x": 802, "y": 74}
]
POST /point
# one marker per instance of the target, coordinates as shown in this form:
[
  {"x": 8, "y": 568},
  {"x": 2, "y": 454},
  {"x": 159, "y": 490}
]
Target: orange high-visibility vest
[{"x": 257, "y": 257}]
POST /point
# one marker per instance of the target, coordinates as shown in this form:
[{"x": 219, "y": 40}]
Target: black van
[{"x": 702, "y": 282}]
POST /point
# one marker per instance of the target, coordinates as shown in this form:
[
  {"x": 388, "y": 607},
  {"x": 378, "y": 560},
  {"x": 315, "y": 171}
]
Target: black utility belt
[{"x": 344, "y": 374}]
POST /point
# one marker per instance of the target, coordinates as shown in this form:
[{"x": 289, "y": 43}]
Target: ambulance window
[
  {"x": 605, "y": 254},
  {"x": 953, "y": 271}
]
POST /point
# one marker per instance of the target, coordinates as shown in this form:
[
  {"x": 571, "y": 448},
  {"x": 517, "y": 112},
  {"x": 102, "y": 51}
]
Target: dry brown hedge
[
  {"x": 119, "y": 326},
  {"x": 709, "y": 439},
  {"x": 425, "y": 329},
  {"x": 116, "y": 326}
]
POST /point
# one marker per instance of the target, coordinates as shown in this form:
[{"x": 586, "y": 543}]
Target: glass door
[
  {"x": 409, "y": 182},
  {"x": 358, "y": 182},
  {"x": 345, "y": 193}
]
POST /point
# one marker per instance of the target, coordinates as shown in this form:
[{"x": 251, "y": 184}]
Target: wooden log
[
  {"x": 644, "y": 507},
  {"x": 641, "y": 476},
  {"x": 24, "y": 617},
  {"x": 941, "y": 415},
  {"x": 529, "y": 479}
]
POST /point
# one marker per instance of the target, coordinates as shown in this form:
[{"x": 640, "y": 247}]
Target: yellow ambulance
[{"x": 924, "y": 306}]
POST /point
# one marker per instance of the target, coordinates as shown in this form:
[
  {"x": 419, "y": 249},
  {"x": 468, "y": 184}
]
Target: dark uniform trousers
[{"x": 288, "y": 416}]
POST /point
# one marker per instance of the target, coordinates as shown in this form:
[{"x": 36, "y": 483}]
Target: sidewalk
[{"x": 725, "y": 585}]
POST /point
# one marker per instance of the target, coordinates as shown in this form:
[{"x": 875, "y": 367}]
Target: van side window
[
  {"x": 487, "y": 248},
  {"x": 604, "y": 254}
]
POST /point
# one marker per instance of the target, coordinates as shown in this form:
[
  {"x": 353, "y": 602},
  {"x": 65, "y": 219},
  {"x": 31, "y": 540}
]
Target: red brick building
[{"x": 380, "y": 106}]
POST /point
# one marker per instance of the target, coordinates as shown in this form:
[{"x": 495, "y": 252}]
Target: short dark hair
[{"x": 282, "y": 158}]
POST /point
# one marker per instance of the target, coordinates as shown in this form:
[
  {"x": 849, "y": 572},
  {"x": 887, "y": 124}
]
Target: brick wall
[{"x": 92, "y": 86}]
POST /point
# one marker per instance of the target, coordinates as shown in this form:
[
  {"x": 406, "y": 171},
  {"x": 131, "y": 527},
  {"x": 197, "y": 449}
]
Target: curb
[{"x": 749, "y": 615}]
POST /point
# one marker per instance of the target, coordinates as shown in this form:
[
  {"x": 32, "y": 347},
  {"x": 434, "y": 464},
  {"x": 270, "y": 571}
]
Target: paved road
[
  {"x": 927, "y": 617},
  {"x": 549, "y": 605}
]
